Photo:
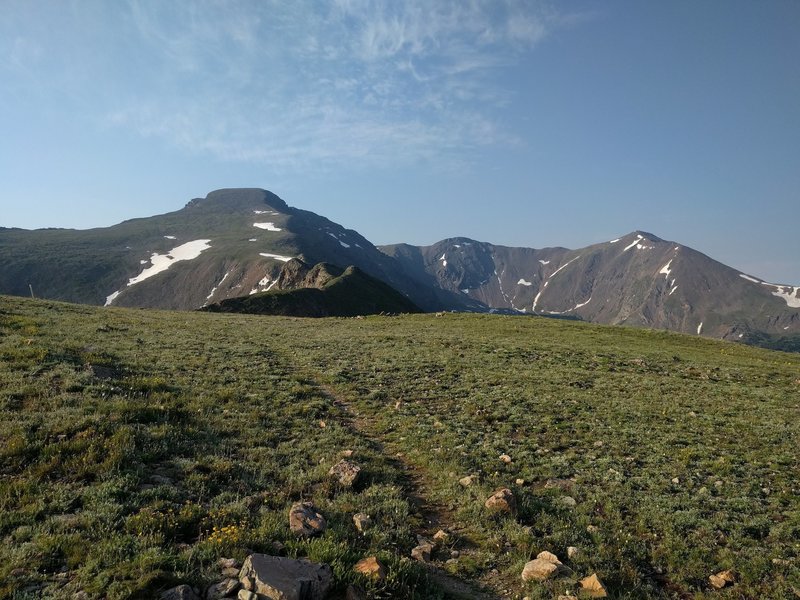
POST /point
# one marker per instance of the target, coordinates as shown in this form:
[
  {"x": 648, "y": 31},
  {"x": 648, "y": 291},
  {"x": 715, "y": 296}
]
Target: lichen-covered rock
[
  {"x": 345, "y": 472},
  {"x": 280, "y": 578}
]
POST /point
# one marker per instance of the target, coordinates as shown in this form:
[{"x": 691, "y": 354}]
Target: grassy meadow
[{"x": 139, "y": 447}]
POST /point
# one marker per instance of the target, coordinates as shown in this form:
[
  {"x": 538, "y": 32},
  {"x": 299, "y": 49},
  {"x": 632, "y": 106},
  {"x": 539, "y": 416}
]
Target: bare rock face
[
  {"x": 502, "y": 501},
  {"x": 305, "y": 521},
  {"x": 345, "y": 472},
  {"x": 280, "y": 578}
]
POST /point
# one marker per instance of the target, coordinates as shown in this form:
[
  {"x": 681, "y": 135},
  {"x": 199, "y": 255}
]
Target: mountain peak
[{"x": 239, "y": 199}]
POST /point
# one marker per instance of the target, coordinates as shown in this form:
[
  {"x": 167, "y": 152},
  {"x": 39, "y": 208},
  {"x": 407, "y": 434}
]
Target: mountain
[
  {"x": 638, "y": 279},
  {"x": 242, "y": 242},
  {"x": 321, "y": 291},
  {"x": 233, "y": 242}
]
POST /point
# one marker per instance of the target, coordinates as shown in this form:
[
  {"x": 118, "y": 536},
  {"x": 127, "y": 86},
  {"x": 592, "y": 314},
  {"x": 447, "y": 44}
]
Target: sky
[{"x": 517, "y": 122}]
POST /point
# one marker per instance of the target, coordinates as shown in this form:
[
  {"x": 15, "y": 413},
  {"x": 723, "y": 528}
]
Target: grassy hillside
[{"x": 138, "y": 447}]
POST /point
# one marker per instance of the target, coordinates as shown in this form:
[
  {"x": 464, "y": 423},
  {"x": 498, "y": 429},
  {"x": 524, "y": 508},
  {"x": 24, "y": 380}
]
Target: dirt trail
[{"x": 415, "y": 481}]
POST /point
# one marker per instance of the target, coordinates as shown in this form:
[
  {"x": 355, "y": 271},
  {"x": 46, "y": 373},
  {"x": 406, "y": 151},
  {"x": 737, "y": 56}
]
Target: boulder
[
  {"x": 181, "y": 592},
  {"x": 345, "y": 472},
  {"x": 539, "y": 570},
  {"x": 502, "y": 501},
  {"x": 372, "y": 568},
  {"x": 223, "y": 589},
  {"x": 362, "y": 521},
  {"x": 280, "y": 578},
  {"x": 592, "y": 587},
  {"x": 305, "y": 521}
]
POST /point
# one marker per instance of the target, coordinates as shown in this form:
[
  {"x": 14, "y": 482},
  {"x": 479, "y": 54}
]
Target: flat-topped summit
[{"x": 234, "y": 199}]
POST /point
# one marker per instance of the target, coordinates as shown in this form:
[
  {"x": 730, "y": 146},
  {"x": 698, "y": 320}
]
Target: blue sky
[{"x": 516, "y": 122}]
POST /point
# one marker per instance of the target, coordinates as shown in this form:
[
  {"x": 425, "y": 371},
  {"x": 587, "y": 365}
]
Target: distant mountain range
[{"x": 240, "y": 242}]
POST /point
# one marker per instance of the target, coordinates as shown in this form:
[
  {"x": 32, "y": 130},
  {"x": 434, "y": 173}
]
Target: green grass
[{"x": 127, "y": 436}]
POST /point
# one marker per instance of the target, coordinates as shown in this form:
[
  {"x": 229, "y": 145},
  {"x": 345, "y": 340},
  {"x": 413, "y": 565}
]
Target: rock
[
  {"x": 565, "y": 485},
  {"x": 441, "y": 537},
  {"x": 229, "y": 563},
  {"x": 539, "y": 570},
  {"x": 454, "y": 553},
  {"x": 549, "y": 557},
  {"x": 305, "y": 521},
  {"x": 181, "y": 592},
  {"x": 592, "y": 528},
  {"x": 362, "y": 521},
  {"x": 675, "y": 480},
  {"x": 466, "y": 481},
  {"x": 223, "y": 589},
  {"x": 572, "y": 552},
  {"x": 347, "y": 453},
  {"x": 345, "y": 472},
  {"x": 502, "y": 501},
  {"x": 278, "y": 547},
  {"x": 592, "y": 587},
  {"x": 372, "y": 568},
  {"x": 505, "y": 458},
  {"x": 230, "y": 572},
  {"x": 279, "y": 578},
  {"x": 246, "y": 595},
  {"x": 722, "y": 579},
  {"x": 520, "y": 482},
  {"x": 422, "y": 552}
]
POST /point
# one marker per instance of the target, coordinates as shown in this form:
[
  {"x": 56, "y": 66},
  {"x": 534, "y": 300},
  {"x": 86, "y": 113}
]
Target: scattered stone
[
  {"x": 598, "y": 444},
  {"x": 568, "y": 501},
  {"x": 362, "y": 521},
  {"x": 573, "y": 552},
  {"x": 565, "y": 485},
  {"x": 228, "y": 563},
  {"x": 502, "y": 501},
  {"x": 675, "y": 480},
  {"x": 454, "y": 553},
  {"x": 322, "y": 424},
  {"x": 347, "y": 453},
  {"x": 505, "y": 458},
  {"x": 246, "y": 595},
  {"x": 592, "y": 587},
  {"x": 539, "y": 570},
  {"x": 722, "y": 579},
  {"x": 372, "y": 568},
  {"x": 279, "y": 578},
  {"x": 346, "y": 472},
  {"x": 520, "y": 482},
  {"x": 423, "y": 551},
  {"x": 592, "y": 528},
  {"x": 441, "y": 537},
  {"x": 223, "y": 589},
  {"x": 466, "y": 481},
  {"x": 305, "y": 521},
  {"x": 181, "y": 592}
]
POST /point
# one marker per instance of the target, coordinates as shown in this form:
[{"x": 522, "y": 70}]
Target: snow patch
[
  {"x": 170, "y": 237},
  {"x": 633, "y": 243},
  {"x": 791, "y": 297},
  {"x": 143, "y": 262},
  {"x": 252, "y": 240},
  {"x": 672, "y": 291},
  {"x": 665, "y": 269},
  {"x": 577, "y": 306},
  {"x": 343, "y": 244},
  {"x": 444, "y": 260},
  {"x": 162, "y": 262},
  {"x": 614, "y": 241},
  {"x": 276, "y": 256},
  {"x": 465, "y": 291},
  {"x": 523, "y": 282},
  {"x": 456, "y": 245},
  {"x": 267, "y": 226},
  {"x": 214, "y": 289},
  {"x": 753, "y": 279},
  {"x": 564, "y": 265},
  {"x": 265, "y": 212},
  {"x": 545, "y": 262},
  {"x": 700, "y": 328}
]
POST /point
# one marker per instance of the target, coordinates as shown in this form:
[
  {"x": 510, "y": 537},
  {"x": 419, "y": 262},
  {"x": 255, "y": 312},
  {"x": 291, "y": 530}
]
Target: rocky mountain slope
[
  {"x": 241, "y": 242},
  {"x": 320, "y": 291},
  {"x": 638, "y": 279}
]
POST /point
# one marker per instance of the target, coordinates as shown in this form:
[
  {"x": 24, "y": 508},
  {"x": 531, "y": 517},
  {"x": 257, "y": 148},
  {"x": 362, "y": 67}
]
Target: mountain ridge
[{"x": 237, "y": 242}]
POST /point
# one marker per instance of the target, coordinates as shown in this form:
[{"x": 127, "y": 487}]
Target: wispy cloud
[{"x": 316, "y": 84}]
